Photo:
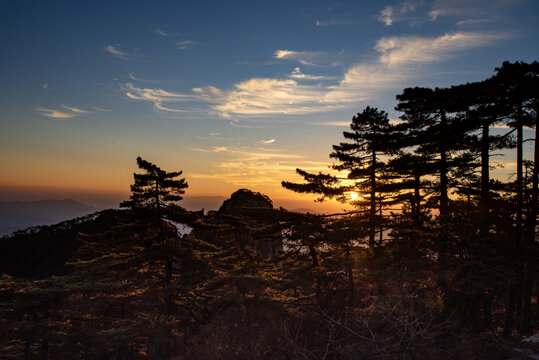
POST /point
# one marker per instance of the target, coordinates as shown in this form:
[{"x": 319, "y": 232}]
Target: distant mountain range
[
  {"x": 17, "y": 215},
  {"x": 306, "y": 211}
]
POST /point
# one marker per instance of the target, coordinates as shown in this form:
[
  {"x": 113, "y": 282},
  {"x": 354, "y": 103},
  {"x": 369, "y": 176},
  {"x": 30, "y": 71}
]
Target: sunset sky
[{"x": 234, "y": 93}]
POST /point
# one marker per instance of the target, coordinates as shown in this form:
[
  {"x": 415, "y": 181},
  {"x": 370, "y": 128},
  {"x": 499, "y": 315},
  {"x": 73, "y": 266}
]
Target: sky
[{"x": 237, "y": 94}]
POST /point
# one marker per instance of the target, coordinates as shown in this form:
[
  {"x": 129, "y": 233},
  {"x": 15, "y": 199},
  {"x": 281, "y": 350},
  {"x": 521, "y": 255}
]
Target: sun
[{"x": 353, "y": 196}]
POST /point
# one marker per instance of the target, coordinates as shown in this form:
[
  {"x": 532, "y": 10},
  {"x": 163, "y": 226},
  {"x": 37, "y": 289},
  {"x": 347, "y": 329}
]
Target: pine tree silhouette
[{"x": 155, "y": 188}]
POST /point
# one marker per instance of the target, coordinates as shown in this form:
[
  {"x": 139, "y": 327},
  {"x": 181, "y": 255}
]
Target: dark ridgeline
[
  {"x": 18, "y": 215},
  {"x": 439, "y": 260}
]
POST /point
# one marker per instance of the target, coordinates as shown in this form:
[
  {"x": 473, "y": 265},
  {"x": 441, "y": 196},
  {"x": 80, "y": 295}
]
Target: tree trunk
[
  {"x": 527, "y": 306},
  {"x": 531, "y": 220},
  {"x": 318, "y": 289},
  {"x": 444, "y": 207},
  {"x": 510, "y": 311},
  {"x": 372, "y": 227},
  {"x": 381, "y": 213},
  {"x": 417, "y": 197},
  {"x": 485, "y": 179},
  {"x": 518, "y": 185},
  {"x": 349, "y": 270}
]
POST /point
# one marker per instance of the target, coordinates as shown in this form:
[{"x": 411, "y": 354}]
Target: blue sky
[{"x": 235, "y": 93}]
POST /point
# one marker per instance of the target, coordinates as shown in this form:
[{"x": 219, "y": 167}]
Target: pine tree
[
  {"x": 155, "y": 188},
  {"x": 360, "y": 160}
]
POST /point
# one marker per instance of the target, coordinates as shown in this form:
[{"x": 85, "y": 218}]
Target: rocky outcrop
[
  {"x": 244, "y": 198},
  {"x": 236, "y": 206}
]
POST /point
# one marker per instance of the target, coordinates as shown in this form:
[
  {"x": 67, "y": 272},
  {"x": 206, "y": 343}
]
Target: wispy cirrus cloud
[
  {"x": 111, "y": 49},
  {"x": 467, "y": 8},
  {"x": 160, "y": 32},
  {"x": 399, "y": 12},
  {"x": 473, "y": 21},
  {"x": 257, "y": 163},
  {"x": 400, "y": 59},
  {"x": 132, "y": 76},
  {"x": 54, "y": 114},
  {"x": 363, "y": 81},
  {"x": 297, "y": 74},
  {"x": 398, "y": 50},
  {"x": 61, "y": 114},
  {"x": 158, "y": 97},
  {"x": 184, "y": 45},
  {"x": 331, "y": 123},
  {"x": 266, "y": 97},
  {"x": 303, "y": 57},
  {"x": 75, "y": 110},
  {"x": 416, "y": 12},
  {"x": 266, "y": 142},
  {"x": 249, "y": 153}
]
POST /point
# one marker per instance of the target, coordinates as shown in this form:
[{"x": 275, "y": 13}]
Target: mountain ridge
[{"x": 18, "y": 215}]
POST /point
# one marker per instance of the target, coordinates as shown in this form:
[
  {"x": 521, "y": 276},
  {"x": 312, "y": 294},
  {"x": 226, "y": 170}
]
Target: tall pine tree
[{"x": 155, "y": 188}]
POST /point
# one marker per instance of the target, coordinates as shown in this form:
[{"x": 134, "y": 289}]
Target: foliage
[{"x": 155, "y": 188}]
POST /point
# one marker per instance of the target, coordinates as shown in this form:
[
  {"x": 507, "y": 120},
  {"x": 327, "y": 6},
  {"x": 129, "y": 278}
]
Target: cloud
[
  {"x": 258, "y": 164},
  {"x": 163, "y": 33},
  {"x": 54, "y": 114},
  {"x": 120, "y": 54},
  {"x": 297, "y": 74},
  {"x": 303, "y": 57},
  {"x": 459, "y": 8},
  {"x": 184, "y": 45},
  {"x": 266, "y": 142},
  {"x": 157, "y": 97},
  {"x": 132, "y": 76},
  {"x": 266, "y": 97},
  {"x": 248, "y": 154},
  {"x": 399, "y": 50},
  {"x": 417, "y": 12},
  {"x": 386, "y": 15},
  {"x": 75, "y": 110},
  {"x": 400, "y": 59},
  {"x": 400, "y": 12},
  {"x": 363, "y": 81},
  {"x": 332, "y": 123},
  {"x": 473, "y": 21},
  {"x": 60, "y": 114}
]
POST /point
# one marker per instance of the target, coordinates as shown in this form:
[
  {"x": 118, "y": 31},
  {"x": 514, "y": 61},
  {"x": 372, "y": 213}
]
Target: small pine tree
[{"x": 156, "y": 188}]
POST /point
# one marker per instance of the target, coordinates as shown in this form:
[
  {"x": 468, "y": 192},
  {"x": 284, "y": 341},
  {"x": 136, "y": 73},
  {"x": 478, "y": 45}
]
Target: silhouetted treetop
[{"x": 155, "y": 188}]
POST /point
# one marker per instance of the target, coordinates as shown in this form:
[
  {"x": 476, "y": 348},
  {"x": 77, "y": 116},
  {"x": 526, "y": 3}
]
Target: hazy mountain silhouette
[
  {"x": 305, "y": 211},
  {"x": 17, "y": 215}
]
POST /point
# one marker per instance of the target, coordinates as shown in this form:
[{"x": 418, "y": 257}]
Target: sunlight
[{"x": 353, "y": 195}]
